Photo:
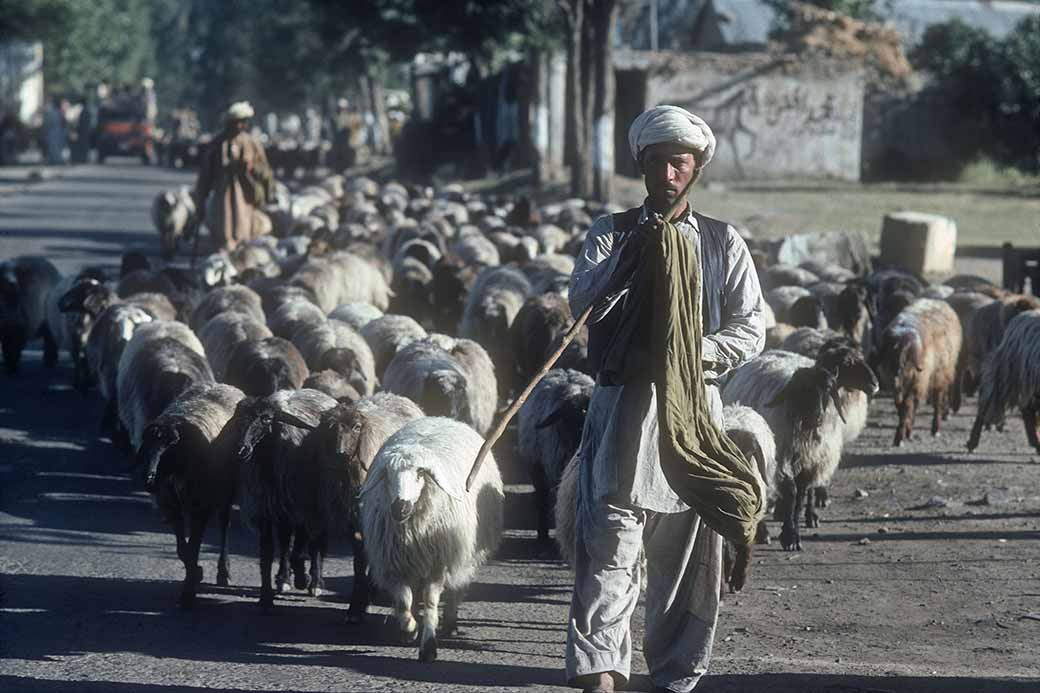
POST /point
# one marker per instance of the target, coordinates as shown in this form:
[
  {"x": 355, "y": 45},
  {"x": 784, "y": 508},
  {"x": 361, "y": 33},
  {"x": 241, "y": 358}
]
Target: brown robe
[{"x": 233, "y": 167}]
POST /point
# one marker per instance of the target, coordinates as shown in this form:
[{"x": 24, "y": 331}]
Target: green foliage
[
  {"x": 993, "y": 83},
  {"x": 37, "y": 19},
  {"x": 104, "y": 39},
  {"x": 277, "y": 53}
]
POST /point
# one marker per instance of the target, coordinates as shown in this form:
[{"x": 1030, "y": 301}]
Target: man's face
[
  {"x": 667, "y": 168},
  {"x": 239, "y": 126}
]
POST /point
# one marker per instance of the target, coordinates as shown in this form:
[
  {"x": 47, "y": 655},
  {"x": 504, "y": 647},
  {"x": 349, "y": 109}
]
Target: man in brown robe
[{"x": 236, "y": 171}]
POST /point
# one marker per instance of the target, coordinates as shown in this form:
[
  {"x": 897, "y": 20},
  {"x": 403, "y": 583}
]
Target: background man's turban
[
  {"x": 672, "y": 124},
  {"x": 240, "y": 110}
]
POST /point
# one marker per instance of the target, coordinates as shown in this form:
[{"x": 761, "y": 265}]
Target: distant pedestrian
[
  {"x": 54, "y": 133},
  {"x": 236, "y": 172}
]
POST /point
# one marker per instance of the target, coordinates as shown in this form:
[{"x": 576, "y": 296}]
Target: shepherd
[
  {"x": 677, "y": 304},
  {"x": 236, "y": 171}
]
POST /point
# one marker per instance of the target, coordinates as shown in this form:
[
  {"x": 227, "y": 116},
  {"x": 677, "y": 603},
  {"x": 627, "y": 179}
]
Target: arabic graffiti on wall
[{"x": 770, "y": 125}]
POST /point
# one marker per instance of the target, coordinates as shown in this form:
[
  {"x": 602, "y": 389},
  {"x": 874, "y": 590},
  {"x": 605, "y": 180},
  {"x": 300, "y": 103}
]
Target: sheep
[
  {"x": 550, "y": 273},
  {"x": 778, "y": 334},
  {"x": 70, "y": 327},
  {"x": 112, "y": 331},
  {"x": 189, "y": 477},
  {"x": 262, "y": 367},
  {"x": 25, "y": 284},
  {"x": 236, "y": 298},
  {"x": 751, "y": 433},
  {"x": 452, "y": 282},
  {"x": 807, "y": 340},
  {"x": 796, "y": 306},
  {"x": 389, "y": 334},
  {"x": 276, "y": 470},
  {"x": 175, "y": 217},
  {"x": 829, "y": 273},
  {"x": 332, "y": 384},
  {"x": 412, "y": 287},
  {"x": 422, "y": 528},
  {"x": 549, "y": 431},
  {"x": 964, "y": 304},
  {"x": 474, "y": 249},
  {"x": 496, "y": 298},
  {"x": 343, "y": 447},
  {"x": 566, "y": 509},
  {"x": 538, "y": 324},
  {"x": 343, "y": 278},
  {"x": 292, "y": 314},
  {"x": 223, "y": 333},
  {"x": 1010, "y": 377},
  {"x": 780, "y": 275},
  {"x": 793, "y": 394},
  {"x": 983, "y": 329},
  {"x": 161, "y": 360},
  {"x": 972, "y": 283},
  {"x": 357, "y": 315},
  {"x": 446, "y": 377},
  {"x": 337, "y": 346},
  {"x": 917, "y": 356},
  {"x": 845, "y": 307}
]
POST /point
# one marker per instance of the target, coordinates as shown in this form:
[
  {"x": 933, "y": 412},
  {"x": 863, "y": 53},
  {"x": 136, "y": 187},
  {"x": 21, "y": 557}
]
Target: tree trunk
[
  {"x": 581, "y": 173},
  {"x": 604, "y": 17},
  {"x": 377, "y": 105},
  {"x": 575, "y": 140}
]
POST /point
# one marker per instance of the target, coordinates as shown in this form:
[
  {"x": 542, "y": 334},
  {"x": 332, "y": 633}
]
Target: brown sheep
[{"x": 918, "y": 357}]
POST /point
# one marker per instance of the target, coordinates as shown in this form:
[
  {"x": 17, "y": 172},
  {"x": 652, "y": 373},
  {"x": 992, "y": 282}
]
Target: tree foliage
[{"x": 991, "y": 82}]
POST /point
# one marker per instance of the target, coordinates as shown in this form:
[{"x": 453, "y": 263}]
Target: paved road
[{"x": 88, "y": 576}]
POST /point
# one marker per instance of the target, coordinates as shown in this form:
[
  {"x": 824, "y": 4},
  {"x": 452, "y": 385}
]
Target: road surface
[{"x": 938, "y": 600}]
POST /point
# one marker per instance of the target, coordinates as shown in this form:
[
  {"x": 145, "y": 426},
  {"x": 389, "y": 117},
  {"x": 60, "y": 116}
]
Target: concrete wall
[
  {"x": 772, "y": 118},
  {"x": 21, "y": 79}
]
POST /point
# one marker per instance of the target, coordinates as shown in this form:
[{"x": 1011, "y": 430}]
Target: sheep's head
[
  {"x": 806, "y": 312},
  {"x": 900, "y": 358},
  {"x": 158, "y": 438},
  {"x": 345, "y": 361},
  {"x": 444, "y": 394},
  {"x": 261, "y": 418},
  {"x": 808, "y": 393},
  {"x": 567, "y": 418},
  {"x": 86, "y": 296},
  {"x": 853, "y": 311},
  {"x": 847, "y": 364},
  {"x": 217, "y": 270}
]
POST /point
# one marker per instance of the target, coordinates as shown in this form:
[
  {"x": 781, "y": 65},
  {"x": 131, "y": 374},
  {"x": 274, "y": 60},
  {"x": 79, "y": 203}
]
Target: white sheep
[
  {"x": 422, "y": 528},
  {"x": 335, "y": 345},
  {"x": 235, "y": 298},
  {"x": 357, "y": 315},
  {"x": 752, "y": 434},
  {"x": 389, "y": 334},
  {"x": 793, "y": 394}
]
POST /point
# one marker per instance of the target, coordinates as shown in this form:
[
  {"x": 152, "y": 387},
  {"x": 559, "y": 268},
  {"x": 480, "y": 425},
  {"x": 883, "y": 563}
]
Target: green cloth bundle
[{"x": 702, "y": 465}]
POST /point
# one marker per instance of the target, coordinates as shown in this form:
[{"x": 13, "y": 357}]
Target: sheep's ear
[
  {"x": 454, "y": 487},
  {"x": 307, "y": 422}
]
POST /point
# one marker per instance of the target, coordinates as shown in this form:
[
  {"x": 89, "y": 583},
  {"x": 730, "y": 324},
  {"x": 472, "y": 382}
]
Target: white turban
[
  {"x": 240, "y": 110},
  {"x": 671, "y": 124}
]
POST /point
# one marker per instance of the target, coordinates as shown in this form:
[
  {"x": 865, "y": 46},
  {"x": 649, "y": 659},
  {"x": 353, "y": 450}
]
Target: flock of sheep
[{"x": 335, "y": 378}]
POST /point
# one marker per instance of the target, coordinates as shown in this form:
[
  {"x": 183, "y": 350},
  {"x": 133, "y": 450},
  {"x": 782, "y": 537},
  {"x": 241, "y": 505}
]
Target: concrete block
[{"x": 923, "y": 244}]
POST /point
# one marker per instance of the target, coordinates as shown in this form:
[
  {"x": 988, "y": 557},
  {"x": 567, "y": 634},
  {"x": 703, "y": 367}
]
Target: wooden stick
[{"x": 567, "y": 339}]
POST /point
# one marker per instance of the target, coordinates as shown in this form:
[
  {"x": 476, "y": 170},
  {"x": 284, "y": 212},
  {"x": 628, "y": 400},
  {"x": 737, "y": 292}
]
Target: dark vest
[{"x": 714, "y": 269}]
